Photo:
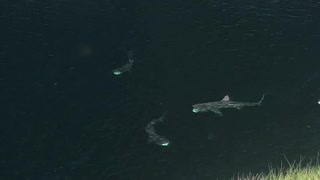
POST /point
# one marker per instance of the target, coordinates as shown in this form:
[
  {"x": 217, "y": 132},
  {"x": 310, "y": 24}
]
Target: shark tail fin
[
  {"x": 260, "y": 101},
  {"x": 163, "y": 115},
  {"x": 160, "y": 119}
]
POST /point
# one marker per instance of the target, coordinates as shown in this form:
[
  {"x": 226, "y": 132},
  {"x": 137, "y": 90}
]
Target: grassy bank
[{"x": 295, "y": 171}]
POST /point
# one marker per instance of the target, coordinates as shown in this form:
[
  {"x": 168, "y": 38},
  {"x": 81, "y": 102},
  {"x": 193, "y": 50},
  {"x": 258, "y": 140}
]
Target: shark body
[
  {"x": 224, "y": 103},
  {"x": 153, "y": 136},
  {"x": 126, "y": 67}
]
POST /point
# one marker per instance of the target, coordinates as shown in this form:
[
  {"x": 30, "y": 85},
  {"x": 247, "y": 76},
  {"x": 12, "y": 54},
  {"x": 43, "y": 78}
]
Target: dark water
[{"x": 66, "y": 116}]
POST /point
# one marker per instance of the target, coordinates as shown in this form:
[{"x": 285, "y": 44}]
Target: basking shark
[
  {"x": 224, "y": 103},
  {"x": 153, "y": 136},
  {"x": 126, "y": 67}
]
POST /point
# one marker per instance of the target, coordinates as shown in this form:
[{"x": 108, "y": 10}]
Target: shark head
[
  {"x": 162, "y": 141},
  {"x": 195, "y": 110},
  {"x": 117, "y": 72},
  {"x": 166, "y": 143}
]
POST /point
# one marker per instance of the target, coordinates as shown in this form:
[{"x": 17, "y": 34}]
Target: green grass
[{"x": 295, "y": 171}]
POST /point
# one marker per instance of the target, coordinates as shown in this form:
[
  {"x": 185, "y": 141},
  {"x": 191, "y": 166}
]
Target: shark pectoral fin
[{"x": 217, "y": 112}]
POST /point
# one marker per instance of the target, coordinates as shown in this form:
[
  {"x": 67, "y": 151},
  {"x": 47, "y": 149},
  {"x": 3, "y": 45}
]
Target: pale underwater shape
[
  {"x": 153, "y": 136},
  {"x": 211, "y": 136},
  {"x": 224, "y": 103},
  {"x": 126, "y": 67}
]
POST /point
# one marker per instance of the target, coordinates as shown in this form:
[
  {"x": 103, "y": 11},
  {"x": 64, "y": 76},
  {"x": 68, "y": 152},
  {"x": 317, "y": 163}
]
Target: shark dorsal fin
[{"x": 226, "y": 98}]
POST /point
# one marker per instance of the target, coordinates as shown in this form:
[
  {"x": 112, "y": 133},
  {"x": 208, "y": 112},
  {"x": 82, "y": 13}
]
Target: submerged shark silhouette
[
  {"x": 153, "y": 136},
  {"x": 223, "y": 104}
]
